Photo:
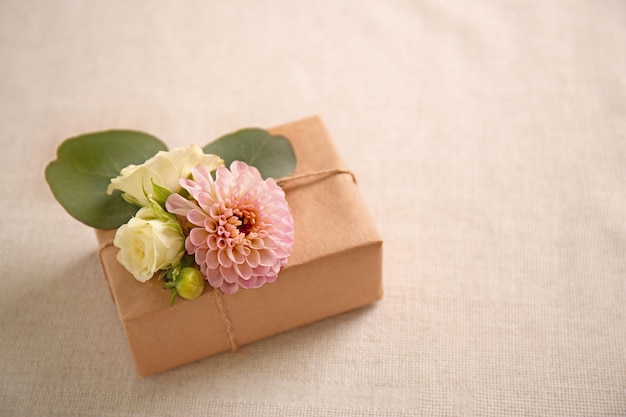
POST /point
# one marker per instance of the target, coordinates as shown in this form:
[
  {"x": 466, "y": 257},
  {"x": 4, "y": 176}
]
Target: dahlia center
[{"x": 247, "y": 220}]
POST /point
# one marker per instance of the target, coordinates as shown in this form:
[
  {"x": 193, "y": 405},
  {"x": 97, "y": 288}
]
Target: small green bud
[{"x": 189, "y": 283}]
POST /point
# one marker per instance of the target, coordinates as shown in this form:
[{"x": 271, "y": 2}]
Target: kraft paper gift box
[{"x": 335, "y": 266}]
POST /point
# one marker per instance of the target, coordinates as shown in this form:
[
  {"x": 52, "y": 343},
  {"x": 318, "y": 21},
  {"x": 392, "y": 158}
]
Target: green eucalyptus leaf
[
  {"x": 272, "y": 155},
  {"x": 85, "y": 164}
]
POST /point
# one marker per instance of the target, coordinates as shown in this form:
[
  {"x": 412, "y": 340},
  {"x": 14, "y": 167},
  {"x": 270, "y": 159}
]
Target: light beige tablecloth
[{"x": 489, "y": 140}]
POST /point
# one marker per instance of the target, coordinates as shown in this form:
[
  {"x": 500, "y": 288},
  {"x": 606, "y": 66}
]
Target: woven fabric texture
[{"x": 489, "y": 142}]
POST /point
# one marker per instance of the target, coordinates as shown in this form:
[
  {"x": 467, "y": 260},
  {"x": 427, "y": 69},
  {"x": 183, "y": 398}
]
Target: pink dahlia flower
[{"x": 240, "y": 227}]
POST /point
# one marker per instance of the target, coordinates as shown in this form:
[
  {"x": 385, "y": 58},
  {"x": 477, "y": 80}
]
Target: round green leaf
[
  {"x": 85, "y": 164},
  {"x": 272, "y": 155}
]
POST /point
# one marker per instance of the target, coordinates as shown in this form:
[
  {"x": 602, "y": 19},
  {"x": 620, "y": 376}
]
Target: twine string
[
  {"x": 324, "y": 173},
  {"x": 104, "y": 270},
  {"x": 104, "y": 246},
  {"x": 225, "y": 320}
]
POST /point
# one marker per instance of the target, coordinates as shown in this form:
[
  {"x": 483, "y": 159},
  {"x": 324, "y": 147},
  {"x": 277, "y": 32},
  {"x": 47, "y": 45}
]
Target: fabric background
[{"x": 489, "y": 140}]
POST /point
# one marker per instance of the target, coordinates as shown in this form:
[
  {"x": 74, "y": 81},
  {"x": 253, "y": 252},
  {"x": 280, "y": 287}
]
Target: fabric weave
[{"x": 489, "y": 140}]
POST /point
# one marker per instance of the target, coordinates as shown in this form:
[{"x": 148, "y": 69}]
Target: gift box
[{"x": 335, "y": 266}]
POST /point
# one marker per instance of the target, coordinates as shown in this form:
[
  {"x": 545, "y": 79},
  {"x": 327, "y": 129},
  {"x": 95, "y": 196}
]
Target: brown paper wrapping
[{"x": 335, "y": 266}]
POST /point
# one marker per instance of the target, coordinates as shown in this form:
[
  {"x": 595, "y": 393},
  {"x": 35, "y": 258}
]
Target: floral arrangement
[{"x": 188, "y": 215}]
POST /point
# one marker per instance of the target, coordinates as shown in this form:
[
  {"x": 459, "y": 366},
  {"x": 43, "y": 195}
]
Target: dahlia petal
[
  {"x": 189, "y": 247},
  {"x": 177, "y": 204},
  {"x": 253, "y": 282},
  {"x": 201, "y": 174},
  {"x": 223, "y": 181},
  {"x": 261, "y": 270},
  {"x": 205, "y": 200},
  {"x": 212, "y": 242},
  {"x": 257, "y": 244},
  {"x": 235, "y": 256},
  {"x": 236, "y": 167},
  {"x": 214, "y": 277},
  {"x": 243, "y": 270},
  {"x": 214, "y": 211},
  {"x": 201, "y": 254},
  {"x": 211, "y": 259},
  {"x": 187, "y": 184},
  {"x": 210, "y": 225},
  {"x": 229, "y": 274},
  {"x": 228, "y": 288},
  {"x": 198, "y": 236},
  {"x": 275, "y": 268},
  {"x": 268, "y": 257},
  {"x": 253, "y": 258},
  {"x": 269, "y": 243},
  {"x": 196, "y": 216},
  {"x": 223, "y": 259}
]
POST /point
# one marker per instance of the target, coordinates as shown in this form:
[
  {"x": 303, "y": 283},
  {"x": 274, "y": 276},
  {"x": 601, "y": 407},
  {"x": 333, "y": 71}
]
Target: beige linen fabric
[{"x": 489, "y": 143}]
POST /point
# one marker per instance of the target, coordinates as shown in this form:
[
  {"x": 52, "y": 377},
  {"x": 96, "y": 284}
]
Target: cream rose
[
  {"x": 150, "y": 241},
  {"x": 164, "y": 169}
]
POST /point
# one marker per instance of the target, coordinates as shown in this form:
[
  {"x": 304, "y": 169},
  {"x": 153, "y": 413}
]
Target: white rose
[
  {"x": 165, "y": 169},
  {"x": 150, "y": 241}
]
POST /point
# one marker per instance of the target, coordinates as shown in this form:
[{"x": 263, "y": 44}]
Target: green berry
[{"x": 189, "y": 283}]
